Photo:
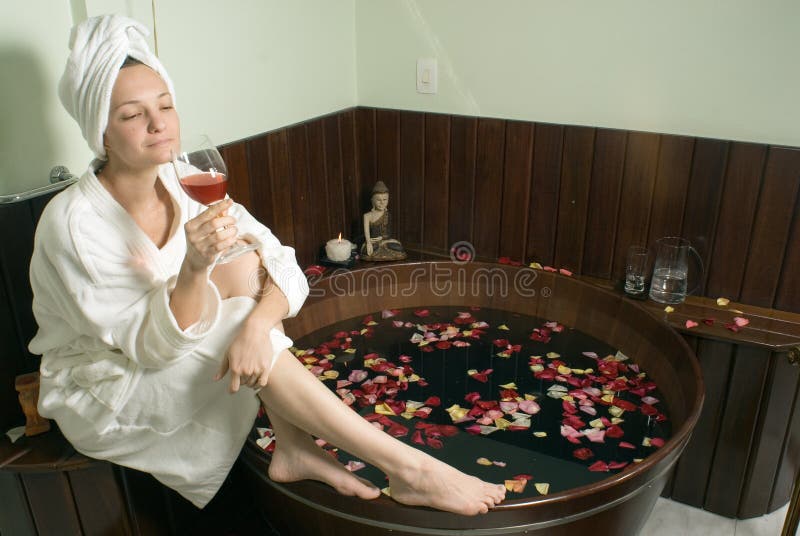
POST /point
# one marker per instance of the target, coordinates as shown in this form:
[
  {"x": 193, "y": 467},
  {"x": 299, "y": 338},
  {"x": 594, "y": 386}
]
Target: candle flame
[{"x": 340, "y": 237}]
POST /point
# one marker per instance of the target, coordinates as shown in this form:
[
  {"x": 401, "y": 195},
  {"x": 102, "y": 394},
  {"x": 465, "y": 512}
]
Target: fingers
[
  {"x": 262, "y": 380},
  {"x": 234, "y": 386},
  {"x": 223, "y": 369}
]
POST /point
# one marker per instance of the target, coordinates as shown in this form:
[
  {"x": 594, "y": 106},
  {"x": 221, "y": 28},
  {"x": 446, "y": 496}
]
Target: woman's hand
[
  {"x": 209, "y": 233},
  {"x": 249, "y": 357}
]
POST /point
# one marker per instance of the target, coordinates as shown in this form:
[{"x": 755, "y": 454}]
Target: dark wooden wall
[
  {"x": 568, "y": 196},
  {"x": 17, "y": 325}
]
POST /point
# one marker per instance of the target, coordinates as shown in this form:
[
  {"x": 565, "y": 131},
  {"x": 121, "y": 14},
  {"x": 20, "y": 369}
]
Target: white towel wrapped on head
[{"x": 98, "y": 48}]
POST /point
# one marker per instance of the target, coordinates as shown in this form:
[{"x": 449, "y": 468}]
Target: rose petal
[
  {"x": 739, "y": 321},
  {"x": 691, "y": 324},
  {"x": 542, "y": 487},
  {"x": 354, "y": 465},
  {"x": 516, "y": 486},
  {"x": 599, "y": 466},
  {"x": 722, "y": 302}
]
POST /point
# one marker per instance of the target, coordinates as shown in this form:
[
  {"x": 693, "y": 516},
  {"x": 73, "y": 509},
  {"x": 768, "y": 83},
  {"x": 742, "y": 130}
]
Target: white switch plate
[{"x": 427, "y": 75}]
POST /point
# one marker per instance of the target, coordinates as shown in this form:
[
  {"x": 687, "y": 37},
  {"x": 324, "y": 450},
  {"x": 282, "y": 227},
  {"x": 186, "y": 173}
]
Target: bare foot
[
  {"x": 304, "y": 460},
  {"x": 441, "y": 486}
]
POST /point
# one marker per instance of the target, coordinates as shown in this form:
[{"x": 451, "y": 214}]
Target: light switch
[{"x": 427, "y": 75}]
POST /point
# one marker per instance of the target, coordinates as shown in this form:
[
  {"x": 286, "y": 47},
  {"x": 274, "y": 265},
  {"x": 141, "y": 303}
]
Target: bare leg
[
  {"x": 298, "y": 457},
  {"x": 415, "y": 477},
  {"x": 299, "y": 405}
]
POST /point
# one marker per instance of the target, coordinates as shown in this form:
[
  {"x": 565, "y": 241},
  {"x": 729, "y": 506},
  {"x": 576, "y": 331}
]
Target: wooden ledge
[
  {"x": 777, "y": 331},
  {"x": 49, "y": 451}
]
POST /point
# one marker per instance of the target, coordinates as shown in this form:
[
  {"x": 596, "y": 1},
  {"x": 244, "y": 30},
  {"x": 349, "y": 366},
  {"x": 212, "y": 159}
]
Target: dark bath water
[{"x": 549, "y": 459}]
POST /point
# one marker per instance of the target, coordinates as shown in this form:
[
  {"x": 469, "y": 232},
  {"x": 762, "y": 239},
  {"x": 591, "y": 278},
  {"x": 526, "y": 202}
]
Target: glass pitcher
[{"x": 669, "y": 281}]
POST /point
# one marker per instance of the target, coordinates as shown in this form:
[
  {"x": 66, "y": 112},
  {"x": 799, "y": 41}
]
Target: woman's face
[
  {"x": 143, "y": 126},
  {"x": 380, "y": 201}
]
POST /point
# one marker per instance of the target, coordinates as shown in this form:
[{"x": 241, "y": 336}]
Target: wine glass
[{"x": 204, "y": 177}]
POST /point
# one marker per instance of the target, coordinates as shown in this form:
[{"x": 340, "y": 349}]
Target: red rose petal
[
  {"x": 599, "y": 466},
  {"x": 434, "y": 443},
  {"x": 433, "y": 401},
  {"x": 422, "y": 313},
  {"x": 583, "y": 453}
]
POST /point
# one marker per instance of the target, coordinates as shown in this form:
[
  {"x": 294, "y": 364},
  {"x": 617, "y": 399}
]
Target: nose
[{"x": 157, "y": 122}]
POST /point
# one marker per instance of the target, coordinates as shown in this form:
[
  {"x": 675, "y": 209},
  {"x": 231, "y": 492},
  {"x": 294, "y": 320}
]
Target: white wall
[
  {"x": 707, "y": 68},
  {"x": 724, "y": 69},
  {"x": 35, "y": 131},
  {"x": 240, "y": 68},
  {"x": 243, "y": 67}
]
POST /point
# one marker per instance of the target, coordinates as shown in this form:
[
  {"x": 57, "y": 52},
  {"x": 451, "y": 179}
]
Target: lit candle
[{"x": 338, "y": 250}]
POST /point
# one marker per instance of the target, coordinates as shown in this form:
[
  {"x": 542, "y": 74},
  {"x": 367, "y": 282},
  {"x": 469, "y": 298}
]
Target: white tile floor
[{"x": 670, "y": 518}]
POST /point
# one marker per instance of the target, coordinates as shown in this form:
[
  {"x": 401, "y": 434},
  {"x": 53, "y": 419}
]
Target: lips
[{"x": 160, "y": 143}]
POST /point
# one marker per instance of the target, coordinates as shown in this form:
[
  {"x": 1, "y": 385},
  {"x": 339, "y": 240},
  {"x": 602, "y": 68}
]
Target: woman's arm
[{"x": 207, "y": 234}]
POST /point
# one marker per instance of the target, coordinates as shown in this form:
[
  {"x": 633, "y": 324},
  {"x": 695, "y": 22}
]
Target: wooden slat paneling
[
  {"x": 43, "y": 491},
  {"x": 774, "y": 216},
  {"x": 737, "y": 428},
  {"x": 488, "y": 187},
  {"x": 573, "y": 202},
  {"x": 350, "y": 172},
  {"x": 366, "y": 157},
  {"x": 437, "y": 164},
  {"x": 788, "y": 297},
  {"x": 319, "y": 186},
  {"x": 604, "y": 199},
  {"x": 463, "y": 139},
  {"x": 99, "y": 501},
  {"x": 15, "y": 518},
  {"x": 547, "y": 157},
  {"x": 641, "y": 163},
  {"x": 235, "y": 157},
  {"x": 280, "y": 174},
  {"x": 714, "y": 357},
  {"x": 702, "y": 202},
  {"x": 412, "y": 172},
  {"x": 775, "y": 415},
  {"x": 332, "y": 155},
  {"x": 735, "y": 221},
  {"x": 672, "y": 184},
  {"x": 304, "y": 215},
  {"x": 516, "y": 189},
  {"x": 258, "y": 166},
  {"x": 387, "y": 140},
  {"x": 790, "y": 460}
]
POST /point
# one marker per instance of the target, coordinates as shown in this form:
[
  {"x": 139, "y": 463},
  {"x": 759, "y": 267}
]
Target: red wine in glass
[
  {"x": 205, "y": 187},
  {"x": 203, "y": 176}
]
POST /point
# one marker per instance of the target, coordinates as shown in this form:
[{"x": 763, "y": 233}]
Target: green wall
[
  {"x": 723, "y": 69},
  {"x": 242, "y": 67}
]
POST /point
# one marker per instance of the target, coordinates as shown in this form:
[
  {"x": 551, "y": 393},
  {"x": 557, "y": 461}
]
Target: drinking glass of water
[{"x": 636, "y": 271}]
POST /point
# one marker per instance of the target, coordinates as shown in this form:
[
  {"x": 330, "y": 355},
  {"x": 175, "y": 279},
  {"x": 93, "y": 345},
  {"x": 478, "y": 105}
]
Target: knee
[{"x": 243, "y": 276}]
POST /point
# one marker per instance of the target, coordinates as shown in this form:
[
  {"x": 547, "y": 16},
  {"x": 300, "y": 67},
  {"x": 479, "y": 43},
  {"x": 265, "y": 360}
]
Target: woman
[{"x": 137, "y": 327}]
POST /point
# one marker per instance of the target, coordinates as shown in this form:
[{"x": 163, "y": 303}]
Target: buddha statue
[{"x": 378, "y": 242}]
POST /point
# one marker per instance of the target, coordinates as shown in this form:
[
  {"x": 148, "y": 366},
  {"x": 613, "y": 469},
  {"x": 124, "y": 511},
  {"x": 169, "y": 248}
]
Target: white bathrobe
[{"x": 118, "y": 375}]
